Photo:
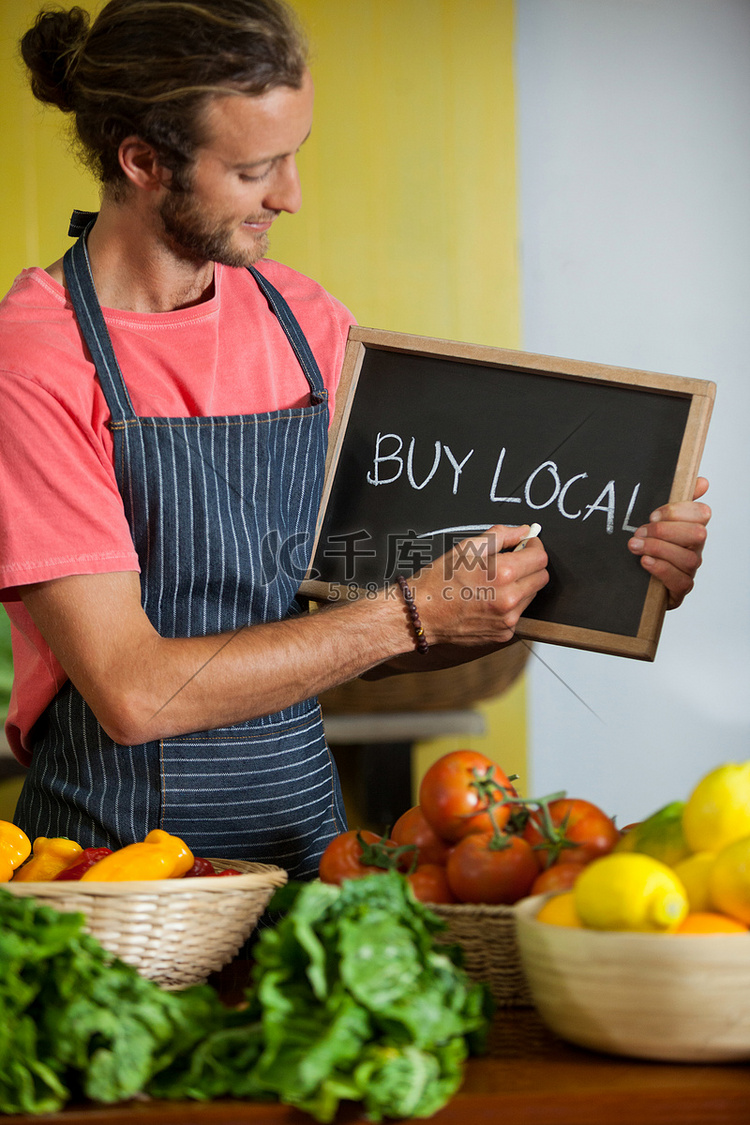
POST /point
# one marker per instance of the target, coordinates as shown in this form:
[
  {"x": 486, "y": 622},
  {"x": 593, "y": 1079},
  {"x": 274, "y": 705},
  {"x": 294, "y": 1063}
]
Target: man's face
[{"x": 243, "y": 176}]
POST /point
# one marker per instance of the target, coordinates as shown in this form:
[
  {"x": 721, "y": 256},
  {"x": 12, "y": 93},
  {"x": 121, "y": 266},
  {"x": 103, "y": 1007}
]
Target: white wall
[{"x": 634, "y": 122}]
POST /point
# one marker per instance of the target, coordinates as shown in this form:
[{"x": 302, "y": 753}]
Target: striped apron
[{"x": 222, "y": 511}]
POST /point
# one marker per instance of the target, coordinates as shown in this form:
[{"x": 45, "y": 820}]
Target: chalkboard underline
[{"x": 462, "y": 527}]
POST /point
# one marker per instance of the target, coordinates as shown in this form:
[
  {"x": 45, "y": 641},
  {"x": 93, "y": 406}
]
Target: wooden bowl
[{"x": 651, "y": 996}]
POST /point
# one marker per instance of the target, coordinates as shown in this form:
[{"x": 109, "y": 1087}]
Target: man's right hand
[{"x": 475, "y": 594}]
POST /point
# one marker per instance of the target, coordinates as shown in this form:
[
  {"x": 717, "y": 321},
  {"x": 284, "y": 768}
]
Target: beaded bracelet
[{"x": 421, "y": 639}]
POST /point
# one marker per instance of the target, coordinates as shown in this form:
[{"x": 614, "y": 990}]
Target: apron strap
[
  {"x": 94, "y": 330},
  {"x": 295, "y": 335},
  {"x": 92, "y": 324},
  {"x": 80, "y": 221}
]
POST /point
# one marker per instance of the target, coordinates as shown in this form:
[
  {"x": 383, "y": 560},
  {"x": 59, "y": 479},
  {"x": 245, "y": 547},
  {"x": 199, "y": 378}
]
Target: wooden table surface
[{"x": 528, "y": 1077}]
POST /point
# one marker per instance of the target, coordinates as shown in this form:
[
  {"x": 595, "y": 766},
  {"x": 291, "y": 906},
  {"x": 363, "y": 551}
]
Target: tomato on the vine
[
  {"x": 412, "y": 828},
  {"x": 577, "y": 829},
  {"x": 492, "y": 868},
  {"x": 429, "y": 883},
  {"x": 342, "y": 859},
  {"x": 456, "y": 791}
]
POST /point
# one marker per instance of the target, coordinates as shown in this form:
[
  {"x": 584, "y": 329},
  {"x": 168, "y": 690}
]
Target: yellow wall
[
  {"x": 409, "y": 183},
  {"x": 40, "y": 181},
  {"x": 409, "y": 212}
]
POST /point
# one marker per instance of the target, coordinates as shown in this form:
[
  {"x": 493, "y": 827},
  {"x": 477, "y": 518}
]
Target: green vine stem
[
  {"x": 385, "y": 855},
  {"x": 521, "y": 811}
]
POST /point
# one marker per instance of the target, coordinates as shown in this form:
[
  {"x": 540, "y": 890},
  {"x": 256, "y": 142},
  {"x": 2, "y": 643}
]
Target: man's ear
[{"x": 141, "y": 166}]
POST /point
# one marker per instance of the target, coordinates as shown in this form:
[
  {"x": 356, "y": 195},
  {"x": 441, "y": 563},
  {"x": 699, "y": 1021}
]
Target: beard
[{"x": 194, "y": 236}]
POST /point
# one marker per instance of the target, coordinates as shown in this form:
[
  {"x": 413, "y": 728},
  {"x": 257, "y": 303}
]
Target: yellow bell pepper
[
  {"x": 15, "y": 847},
  {"x": 159, "y": 856},
  {"x": 50, "y": 856}
]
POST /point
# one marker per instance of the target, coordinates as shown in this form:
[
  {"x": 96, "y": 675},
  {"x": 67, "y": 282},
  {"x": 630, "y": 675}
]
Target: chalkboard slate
[{"x": 434, "y": 441}]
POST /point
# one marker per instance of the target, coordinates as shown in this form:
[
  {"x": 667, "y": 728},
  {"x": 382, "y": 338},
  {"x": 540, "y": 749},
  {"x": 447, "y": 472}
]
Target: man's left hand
[{"x": 671, "y": 544}]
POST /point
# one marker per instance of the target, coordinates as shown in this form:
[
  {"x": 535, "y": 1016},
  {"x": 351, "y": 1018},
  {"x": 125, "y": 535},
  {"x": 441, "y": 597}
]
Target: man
[{"x": 166, "y": 398}]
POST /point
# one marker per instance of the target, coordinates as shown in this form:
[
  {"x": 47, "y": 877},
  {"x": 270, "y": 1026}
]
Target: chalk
[{"x": 534, "y": 530}]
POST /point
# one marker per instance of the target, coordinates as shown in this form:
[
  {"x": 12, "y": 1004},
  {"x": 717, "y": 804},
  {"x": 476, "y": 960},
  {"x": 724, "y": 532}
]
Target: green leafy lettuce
[
  {"x": 351, "y": 1000},
  {"x": 76, "y": 1021}
]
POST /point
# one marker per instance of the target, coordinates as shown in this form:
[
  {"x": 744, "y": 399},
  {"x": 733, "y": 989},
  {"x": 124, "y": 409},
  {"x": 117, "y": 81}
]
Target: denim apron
[{"x": 222, "y": 511}]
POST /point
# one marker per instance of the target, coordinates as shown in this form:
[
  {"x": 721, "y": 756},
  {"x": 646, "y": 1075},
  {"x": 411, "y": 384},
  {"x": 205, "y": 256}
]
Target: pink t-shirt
[{"x": 60, "y": 508}]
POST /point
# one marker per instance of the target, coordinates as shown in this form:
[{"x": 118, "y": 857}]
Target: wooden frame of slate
[{"x": 434, "y": 441}]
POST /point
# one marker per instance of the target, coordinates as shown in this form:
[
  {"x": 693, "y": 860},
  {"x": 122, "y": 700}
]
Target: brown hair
[{"x": 146, "y": 67}]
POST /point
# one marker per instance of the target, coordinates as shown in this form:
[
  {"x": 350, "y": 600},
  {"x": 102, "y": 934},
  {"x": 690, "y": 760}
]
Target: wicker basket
[
  {"x": 446, "y": 690},
  {"x": 173, "y": 931},
  {"x": 487, "y": 935}
]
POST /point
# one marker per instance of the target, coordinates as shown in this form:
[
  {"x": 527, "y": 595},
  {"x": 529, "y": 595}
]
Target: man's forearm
[
  {"x": 207, "y": 682},
  {"x": 142, "y": 686}
]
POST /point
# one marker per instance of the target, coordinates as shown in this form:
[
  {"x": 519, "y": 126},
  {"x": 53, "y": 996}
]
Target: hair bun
[{"x": 49, "y": 48}]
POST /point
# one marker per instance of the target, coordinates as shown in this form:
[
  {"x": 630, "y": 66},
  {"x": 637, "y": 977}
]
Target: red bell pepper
[
  {"x": 200, "y": 867},
  {"x": 87, "y": 859}
]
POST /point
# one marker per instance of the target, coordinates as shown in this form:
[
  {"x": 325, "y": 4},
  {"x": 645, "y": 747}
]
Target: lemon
[
  {"x": 729, "y": 880},
  {"x": 560, "y": 910},
  {"x": 718, "y": 810},
  {"x": 693, "y": 873},
  {"x": 660, "y": 836},
  {"x": 630, "y": 892}
]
